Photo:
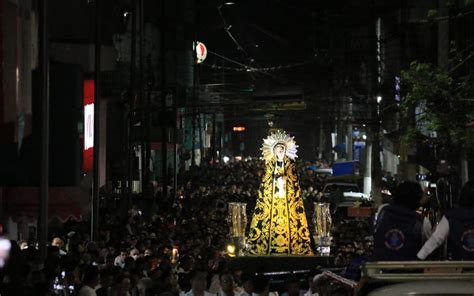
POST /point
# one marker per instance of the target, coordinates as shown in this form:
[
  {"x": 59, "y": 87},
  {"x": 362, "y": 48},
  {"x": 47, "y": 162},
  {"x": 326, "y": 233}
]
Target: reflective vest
[
  {"x": 461, "y": 233},
  {"x": 397, "y": 234}
]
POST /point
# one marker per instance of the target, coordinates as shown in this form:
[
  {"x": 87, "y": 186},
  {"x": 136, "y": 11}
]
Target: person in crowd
[
  {"x": 120, "y": 259},
  {"x": 129, "y": 264},
  {"x": 261, "y": 286},
  {"x": 135, "y": 253},
  {"x": 122, "y": 286},
  {"x": 185, "y": 266},
  {"x": 246, "y": 285},
  {"x": 58, "y": 242},
  {"x": 227, "y": 284},
  {"x": 400, "y": 230},
  {"x": 316, "y": 283},
  {"x": 106, "y": 281},
  {"x": 198, "y": 284},
  {"x": 457, "y": 227},
  {"x": 89, "y": 282},
  {"x": 293, "y": 287},
  {"x": 335, "y": 197}
]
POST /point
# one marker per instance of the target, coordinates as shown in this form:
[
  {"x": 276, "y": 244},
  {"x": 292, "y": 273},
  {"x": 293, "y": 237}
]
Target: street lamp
[{"x": 226, "y": 3}]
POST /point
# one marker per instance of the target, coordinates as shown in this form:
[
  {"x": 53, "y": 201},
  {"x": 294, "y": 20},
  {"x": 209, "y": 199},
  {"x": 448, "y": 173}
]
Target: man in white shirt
[
  {"x": 198, "y": 284},
  {"x": 228, "y": 286},
  {"x": 293, "y": 287},
  {"x": 90, "y": 281},
  {"x": 457, "y": 227},
  {"x": 120, "y": 259}
]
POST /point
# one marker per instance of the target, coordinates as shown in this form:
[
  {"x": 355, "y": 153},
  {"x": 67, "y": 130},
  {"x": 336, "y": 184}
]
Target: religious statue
[{"x": 279, "y": 225}]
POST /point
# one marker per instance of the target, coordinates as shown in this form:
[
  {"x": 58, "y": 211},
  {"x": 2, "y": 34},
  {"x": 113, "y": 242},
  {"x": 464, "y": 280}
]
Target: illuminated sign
[
  {"x": 201, "y": 52},
  {"x": 238, "y": 128},
  {"x": 88, "y": 104},
  {"x": 88, "y": 126}
]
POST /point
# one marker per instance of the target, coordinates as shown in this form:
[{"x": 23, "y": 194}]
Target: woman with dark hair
[
  {"x": 400, "y": 231},
  {"x": 457, "y": 226}
]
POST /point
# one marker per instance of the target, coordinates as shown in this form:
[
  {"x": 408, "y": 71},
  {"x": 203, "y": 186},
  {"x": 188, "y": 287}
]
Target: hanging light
[{"x": 230, "y": 248}]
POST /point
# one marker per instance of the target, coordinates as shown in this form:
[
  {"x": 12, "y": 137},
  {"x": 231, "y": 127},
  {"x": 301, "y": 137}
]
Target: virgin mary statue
[{"x": 279, "y": 225}]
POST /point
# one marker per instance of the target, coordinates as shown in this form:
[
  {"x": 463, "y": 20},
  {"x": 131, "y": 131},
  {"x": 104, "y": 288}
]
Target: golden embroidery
[{"x": 279, "y": 224}]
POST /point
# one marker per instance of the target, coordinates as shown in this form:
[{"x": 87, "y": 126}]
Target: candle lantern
[
  {"x": 322, "y": 228},
  {"x": 237, "y": 219},
  {"x": 174, "y": 255}
]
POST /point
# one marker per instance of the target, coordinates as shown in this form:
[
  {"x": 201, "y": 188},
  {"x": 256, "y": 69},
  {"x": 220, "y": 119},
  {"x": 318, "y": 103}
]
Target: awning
[{"x": 22, "y": 203}]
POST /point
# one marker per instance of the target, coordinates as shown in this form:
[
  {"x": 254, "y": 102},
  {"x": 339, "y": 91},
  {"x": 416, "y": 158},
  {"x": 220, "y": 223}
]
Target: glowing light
[
  {"x": 379, "y": 99},
  {"x": 88, "y": 105},
  {"x": 201, "y": 52},
  {"x": 226, "y": 159},
  {"x": 230, "y": 250},
  {"x": 238, "y": 129},
  {"x": 5, "y": 246},
  {"x": 364, "y": 137},
  {"x": 174, "y": 255},
  {"x": 89, "y": 126}
]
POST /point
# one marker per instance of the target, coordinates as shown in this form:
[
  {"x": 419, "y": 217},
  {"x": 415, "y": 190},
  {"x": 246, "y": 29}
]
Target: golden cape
[{"x": 279, "y": 224}]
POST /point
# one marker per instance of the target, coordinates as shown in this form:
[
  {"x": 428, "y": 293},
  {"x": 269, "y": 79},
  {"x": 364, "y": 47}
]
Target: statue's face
[{"x": 280, "y": 152}]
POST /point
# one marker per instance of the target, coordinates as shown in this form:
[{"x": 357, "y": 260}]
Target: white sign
[
  {"x": 88, "y": 126},
  {"x": 201, "y": 52}
]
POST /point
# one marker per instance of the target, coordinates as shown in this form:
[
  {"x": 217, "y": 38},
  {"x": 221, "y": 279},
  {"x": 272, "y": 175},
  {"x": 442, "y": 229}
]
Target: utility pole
[
  {"x": 321, "y": 139},
  {"x": 376, "y": 166},
  {"x": 340, "y": 139},
  {"x": 213, "y": 141},
  {"x": 175, "y": 148},
  {"x": 193, "y": 143},
  {"x": 202, "y": 120},
  {"x": 147, "y": 122},
  {"x": 44, "y": 167},
  {"x": 97, "y": 70},
  {"x": 349, "y": 142},
  {"x": 195, "y": 92},
  {"x": 131, "y": 103},
  {"x": 164, "y": 128},
  {"x": 141, "y": 91}
]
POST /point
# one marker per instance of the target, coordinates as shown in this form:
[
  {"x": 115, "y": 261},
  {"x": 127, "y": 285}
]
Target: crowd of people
[
  {"x": 176, "y": 245},
  {"x": 171, "y": 246}
]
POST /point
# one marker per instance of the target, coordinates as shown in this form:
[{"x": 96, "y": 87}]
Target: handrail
[
  {"x": 411, "y": 270},
  {"x": 418, "y": 264}
]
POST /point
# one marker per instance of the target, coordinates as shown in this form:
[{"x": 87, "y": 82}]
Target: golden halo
[{"x": 282, "y": 138}]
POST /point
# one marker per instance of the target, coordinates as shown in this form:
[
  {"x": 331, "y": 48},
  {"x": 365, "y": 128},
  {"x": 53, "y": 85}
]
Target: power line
[
  {"x": 246, "y": 68},
  {"x": 227, "y": 29}
]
